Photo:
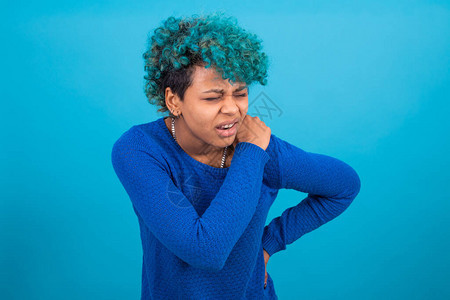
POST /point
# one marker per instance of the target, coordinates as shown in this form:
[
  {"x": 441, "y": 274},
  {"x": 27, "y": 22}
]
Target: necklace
[{"x": 224, "y": 150}]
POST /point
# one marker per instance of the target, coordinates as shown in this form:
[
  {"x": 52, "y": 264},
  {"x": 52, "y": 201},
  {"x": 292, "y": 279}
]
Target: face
[{"x": 208, "y": 102}]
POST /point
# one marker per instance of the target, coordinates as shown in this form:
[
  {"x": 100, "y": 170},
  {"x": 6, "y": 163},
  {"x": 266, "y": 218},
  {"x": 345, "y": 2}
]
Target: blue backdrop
[{"x": 365, "y": 82}]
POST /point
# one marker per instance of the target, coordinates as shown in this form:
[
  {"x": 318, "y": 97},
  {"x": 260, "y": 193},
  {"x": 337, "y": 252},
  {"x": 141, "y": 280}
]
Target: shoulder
[
  {"x": 133, "y": 135},
  {"x": 279, "y": 146},
  {"x": 142, "y": 133},
  {"x": 274, "y": 144},
  {"x": 139, "y": 137}
]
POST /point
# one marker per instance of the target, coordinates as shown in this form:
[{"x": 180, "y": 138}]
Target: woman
[{"x": 202, "y": 191}]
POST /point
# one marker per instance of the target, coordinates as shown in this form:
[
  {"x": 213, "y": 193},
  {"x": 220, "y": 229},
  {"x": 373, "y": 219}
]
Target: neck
[{"x": 194, "y": 147}]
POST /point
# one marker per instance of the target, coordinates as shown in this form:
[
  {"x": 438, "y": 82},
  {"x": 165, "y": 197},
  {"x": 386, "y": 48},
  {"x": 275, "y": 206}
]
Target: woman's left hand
[{"x": 266, "y": 259}]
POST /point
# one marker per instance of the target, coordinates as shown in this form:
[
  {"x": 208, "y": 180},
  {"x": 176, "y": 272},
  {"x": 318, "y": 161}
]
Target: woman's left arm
[{"x": 331, "y": 185}]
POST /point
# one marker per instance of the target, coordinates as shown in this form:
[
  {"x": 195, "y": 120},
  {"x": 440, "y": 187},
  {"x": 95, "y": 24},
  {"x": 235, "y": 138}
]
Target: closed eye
[{"x": 241, "y": 95}]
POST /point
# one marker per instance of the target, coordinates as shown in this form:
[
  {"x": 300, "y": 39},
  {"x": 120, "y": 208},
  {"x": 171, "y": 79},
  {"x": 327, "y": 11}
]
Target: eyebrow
[{"x": 240, "y": 88}]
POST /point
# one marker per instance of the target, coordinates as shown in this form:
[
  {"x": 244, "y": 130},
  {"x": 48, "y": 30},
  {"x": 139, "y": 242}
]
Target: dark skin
[
  {"x": 266, "y": 260},
  {"x": 202, "y": 111}
]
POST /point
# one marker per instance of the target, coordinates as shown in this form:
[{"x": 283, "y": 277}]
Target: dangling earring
[{"x": 176, "y": 116}]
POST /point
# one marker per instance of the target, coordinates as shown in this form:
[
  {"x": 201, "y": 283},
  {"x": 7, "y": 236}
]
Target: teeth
[{"x": 227, "y": 126}]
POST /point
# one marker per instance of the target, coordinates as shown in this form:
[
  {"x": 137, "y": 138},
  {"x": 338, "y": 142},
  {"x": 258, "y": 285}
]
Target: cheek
[
  {"x": 243, "y": 107},
  {"x": 243, "y": 104},
  {"x": 204, "y": 123}
]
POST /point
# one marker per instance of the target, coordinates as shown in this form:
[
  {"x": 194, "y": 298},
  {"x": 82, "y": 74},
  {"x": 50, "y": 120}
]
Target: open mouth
[
  {"x": 224, "y": 131},
  {"x": 227, "y": 127}
]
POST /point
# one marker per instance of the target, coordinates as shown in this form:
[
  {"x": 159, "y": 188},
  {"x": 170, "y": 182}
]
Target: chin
[{"x": 227, "y": 142}]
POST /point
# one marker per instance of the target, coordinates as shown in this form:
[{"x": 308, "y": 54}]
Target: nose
[{"x": 229, "y": 105}]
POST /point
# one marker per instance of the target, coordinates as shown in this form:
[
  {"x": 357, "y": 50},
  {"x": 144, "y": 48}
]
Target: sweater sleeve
[
  {"x": 203, "y": 242},
  {"x": 330, "y": 183}
]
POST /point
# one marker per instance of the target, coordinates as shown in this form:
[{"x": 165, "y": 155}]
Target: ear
[{"x": 172, "y": 100}]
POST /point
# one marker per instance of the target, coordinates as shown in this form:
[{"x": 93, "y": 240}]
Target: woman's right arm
[{"x": 203, "y": 242}]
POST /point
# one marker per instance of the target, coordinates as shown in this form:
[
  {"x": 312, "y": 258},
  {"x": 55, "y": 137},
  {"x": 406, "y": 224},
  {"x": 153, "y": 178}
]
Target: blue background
[{"x": 365, "y": 82}]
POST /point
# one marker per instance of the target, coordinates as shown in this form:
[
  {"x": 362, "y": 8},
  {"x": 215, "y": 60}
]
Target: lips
[
  {"x": 227, "y": 132},
  {"x": 227, "y": 122}
]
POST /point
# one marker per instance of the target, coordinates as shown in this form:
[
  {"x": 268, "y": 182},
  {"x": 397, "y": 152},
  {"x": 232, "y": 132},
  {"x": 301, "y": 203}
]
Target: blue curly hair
[{"x": 213, "y": 40}]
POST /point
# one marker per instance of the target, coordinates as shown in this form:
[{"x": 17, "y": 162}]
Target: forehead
[{"x": 209, "y": 77}]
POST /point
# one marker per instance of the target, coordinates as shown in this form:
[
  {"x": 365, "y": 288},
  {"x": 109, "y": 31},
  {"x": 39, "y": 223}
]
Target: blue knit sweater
[{"x": 203, "y": 228}]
